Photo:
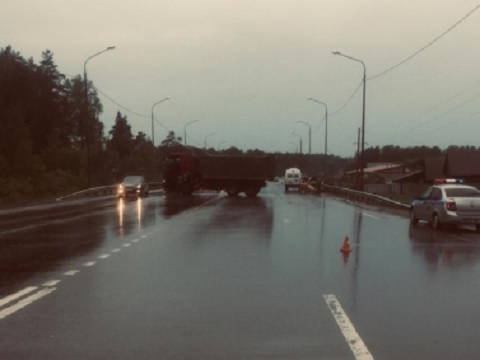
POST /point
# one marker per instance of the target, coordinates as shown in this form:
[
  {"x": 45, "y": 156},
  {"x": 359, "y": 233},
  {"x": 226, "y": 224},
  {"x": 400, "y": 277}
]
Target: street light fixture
[
  {"x": 301, "y": 141},
  {"x": 87, "y": 121},
  {"x": 207, "y": 136},
  {"x": 326, "y": 120},
  {"x": 362, "y": 165},
  {"x": 309, "y": 136},
  {"x": 158, "y": 102},
  {"x": 185, "y": 131}
]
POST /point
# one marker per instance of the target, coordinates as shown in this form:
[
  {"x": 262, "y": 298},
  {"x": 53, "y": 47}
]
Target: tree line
[{"x": 52, "y": 141}]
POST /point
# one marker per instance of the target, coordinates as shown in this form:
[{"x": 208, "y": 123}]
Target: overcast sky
[{"x": 244, "y": 69}]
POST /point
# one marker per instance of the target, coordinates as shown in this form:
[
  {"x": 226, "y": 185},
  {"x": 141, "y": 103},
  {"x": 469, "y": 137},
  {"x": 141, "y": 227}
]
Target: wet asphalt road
[{"x": 212, "y": 277}]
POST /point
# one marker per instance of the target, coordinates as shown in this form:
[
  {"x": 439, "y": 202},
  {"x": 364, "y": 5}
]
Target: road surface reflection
[{"x": 452, "y": 248}]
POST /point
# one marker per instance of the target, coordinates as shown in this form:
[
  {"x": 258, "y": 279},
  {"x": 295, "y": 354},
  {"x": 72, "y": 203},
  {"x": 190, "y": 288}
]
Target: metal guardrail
[
  {"x": 364, "y": 197},
  {"x": 109, "y": 190}
]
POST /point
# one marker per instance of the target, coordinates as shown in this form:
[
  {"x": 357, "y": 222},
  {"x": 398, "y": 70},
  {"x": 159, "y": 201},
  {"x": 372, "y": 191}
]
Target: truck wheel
[
  {"x": 232, "y": 190},
  {"x": 252, "y": 191}
]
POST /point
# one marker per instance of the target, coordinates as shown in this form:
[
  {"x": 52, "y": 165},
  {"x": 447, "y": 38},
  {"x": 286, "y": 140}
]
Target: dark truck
[{"x": 185, "y": 173}]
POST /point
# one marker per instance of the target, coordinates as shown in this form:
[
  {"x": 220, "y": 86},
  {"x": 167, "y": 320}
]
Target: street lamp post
[
  {"x": 363, "y": 114},
  {"x": 185, "y": 131},
  {"x": 87, "y": 121},
  {"x": 207, "y": 136},
  {"x": 309, "y": 136},
  {"x": 300, "y": 137},
  {"x": 158, "y": 102},
  {"x": 326, "y": 121}
]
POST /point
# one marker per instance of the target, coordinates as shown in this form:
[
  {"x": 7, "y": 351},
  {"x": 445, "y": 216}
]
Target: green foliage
[
  {"x": 391, "y": 153},
  {"x": 42, "y": 132},
  {"x": 171, "y": 141},
  {"x": 47, "y": 123},
  {"x": 121, "y": 140}
]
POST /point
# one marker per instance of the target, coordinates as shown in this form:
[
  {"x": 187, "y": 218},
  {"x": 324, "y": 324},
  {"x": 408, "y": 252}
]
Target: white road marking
[
  {"x": 51, "y": 283},
  {"x": 286, "y": 221},
  {"x": 104, "y": 256},
  {"x": 135, "y": 240},
  {"x": 17, "y": 295},
  {"x": 91, "y": 263},
  {"x": 25, "y": 302},
  {"x": 116, "y": 250},
  {"x": 127, "y": 245},
  {"x": 356, "y": 344},
  {"x": 143, "y": 236},
  {"x": 71, "y": 272}
]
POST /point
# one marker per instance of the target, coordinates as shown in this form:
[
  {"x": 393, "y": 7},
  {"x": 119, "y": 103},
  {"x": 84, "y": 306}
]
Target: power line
[
  {"x": 120, "y": 105},
  {"x": 348, "y": 100},
  {"x": 428, "y": 121},
  {"x": 314, "y": 131},
  {"x": 163, "y": 126},
  {"x": 428, "y": 45},
  {"x": 461, "y": 92},
  {"x": 406, "y": 59},
  {"x": 450, "y": 123}
]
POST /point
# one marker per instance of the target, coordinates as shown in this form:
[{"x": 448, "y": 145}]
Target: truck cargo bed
[{"x": 236, "y": 167}]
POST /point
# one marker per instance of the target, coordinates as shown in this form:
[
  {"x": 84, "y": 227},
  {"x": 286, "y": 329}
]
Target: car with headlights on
[
  {"x": 447, "y": 202},
  {"x": 133, "y": 187}
]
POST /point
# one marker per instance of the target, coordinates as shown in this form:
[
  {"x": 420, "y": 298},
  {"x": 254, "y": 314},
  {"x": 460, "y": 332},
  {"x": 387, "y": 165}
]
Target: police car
[{"x": 447, "y": 201}]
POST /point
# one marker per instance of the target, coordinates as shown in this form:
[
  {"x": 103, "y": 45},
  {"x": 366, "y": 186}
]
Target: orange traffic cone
[{"x": 346, "y": 246}]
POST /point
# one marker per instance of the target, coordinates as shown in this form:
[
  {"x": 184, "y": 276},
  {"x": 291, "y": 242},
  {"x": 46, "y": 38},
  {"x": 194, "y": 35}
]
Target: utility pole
[{"x": 359, "y": 164}]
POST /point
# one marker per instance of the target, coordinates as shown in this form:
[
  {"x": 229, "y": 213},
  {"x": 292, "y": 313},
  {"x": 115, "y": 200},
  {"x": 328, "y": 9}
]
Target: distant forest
[{"x": 53, "y": 143}]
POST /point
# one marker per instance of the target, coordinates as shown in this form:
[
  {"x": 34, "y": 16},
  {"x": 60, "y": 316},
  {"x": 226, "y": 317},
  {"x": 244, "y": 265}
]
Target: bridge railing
[
  {"x": 109, "y": 190},
  {"x": 356, "y": 195}
]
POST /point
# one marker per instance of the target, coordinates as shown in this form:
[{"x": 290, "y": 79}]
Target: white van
[{"x": 293, "y": 178}]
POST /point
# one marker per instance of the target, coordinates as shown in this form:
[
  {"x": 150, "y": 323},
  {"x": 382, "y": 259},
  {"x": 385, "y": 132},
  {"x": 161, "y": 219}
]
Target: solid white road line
[
  {"x": 356, "y": 344},
  {"x": 17, "y": 295},
  {"x": 25, "y": 302}
]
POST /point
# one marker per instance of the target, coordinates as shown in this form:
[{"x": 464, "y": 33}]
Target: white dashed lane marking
[
  {"x": 71, "y": 272},
  {"x": 356, "y": 344},
  {"x": 12, "y": 303}
]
